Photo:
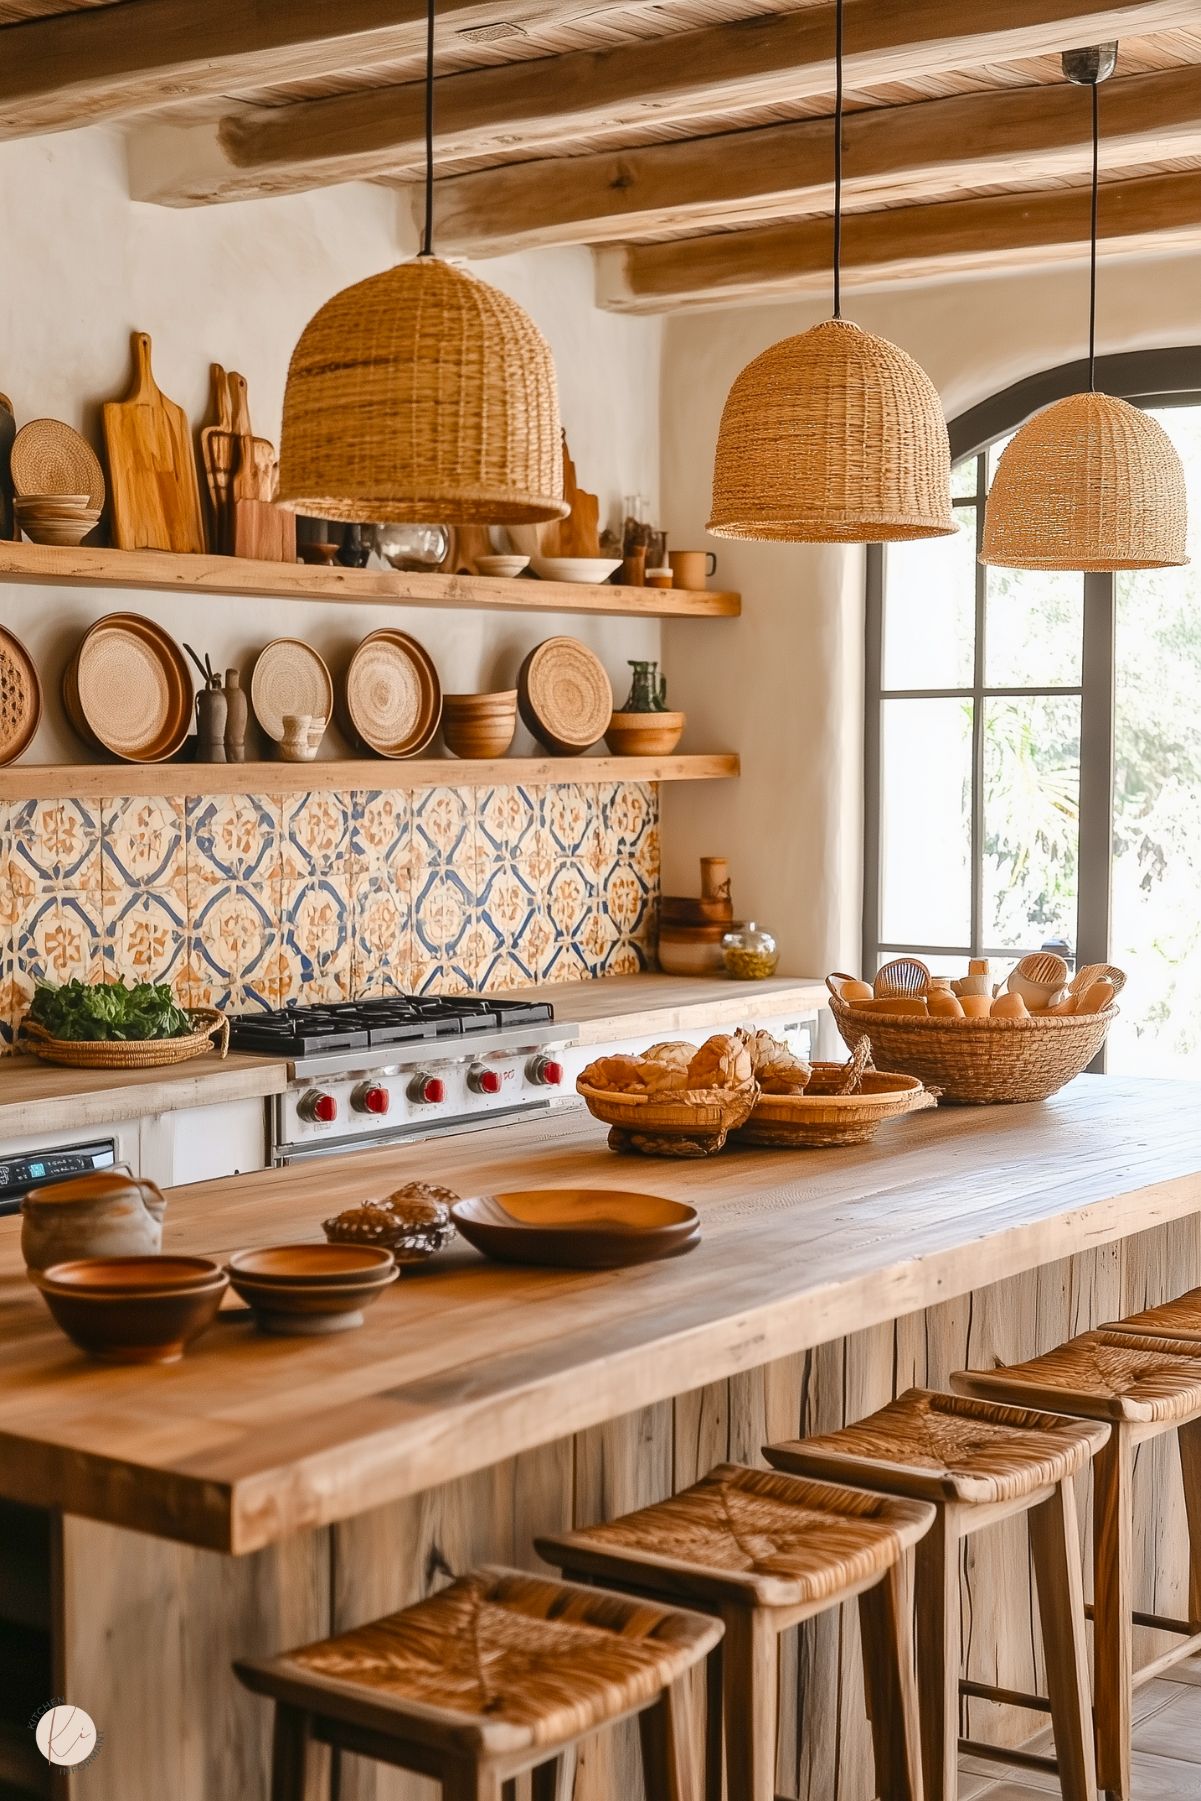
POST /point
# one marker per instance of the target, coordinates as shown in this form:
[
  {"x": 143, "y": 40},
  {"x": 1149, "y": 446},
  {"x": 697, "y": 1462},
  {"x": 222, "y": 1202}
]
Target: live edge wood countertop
[
  {"x": 41, "y": 1097},
  {"x": 467, "y": 1362}
]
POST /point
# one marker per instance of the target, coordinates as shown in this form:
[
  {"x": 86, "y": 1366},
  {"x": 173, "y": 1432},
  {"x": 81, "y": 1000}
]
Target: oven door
[{"x": 284, "y": 1154}]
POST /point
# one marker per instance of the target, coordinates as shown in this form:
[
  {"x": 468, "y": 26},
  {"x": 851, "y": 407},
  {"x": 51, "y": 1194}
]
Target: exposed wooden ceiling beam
[
  {"x": 780, "y": 171},
  {"x": 742, "y": 64},
  {"x": 1154, "y": 212},
  {"x": 102, "y": 62}
]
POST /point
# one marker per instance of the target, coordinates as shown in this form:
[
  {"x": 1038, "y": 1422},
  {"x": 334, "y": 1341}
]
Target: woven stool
[
  {"x": 497, "y": 1674},
  {"x": 978, "y": 1463},
  {"x": 1144, "y": 1384},
  {"x": 763, "y": 1552}
]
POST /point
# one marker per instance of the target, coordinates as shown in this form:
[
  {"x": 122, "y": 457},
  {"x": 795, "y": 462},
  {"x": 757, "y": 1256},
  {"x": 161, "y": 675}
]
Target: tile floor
[{"x": 1167, "y": 1749}]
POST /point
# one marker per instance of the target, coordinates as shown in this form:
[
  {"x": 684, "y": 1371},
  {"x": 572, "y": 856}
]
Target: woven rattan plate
[
  {"x": 20, "y": 698},
  {"x": 289, "y": 677},
  {"x": 128, "y": 689},
  {"x": 565, "y": 696},
  {"x": 393, "y": 695},
  {"x": 48, "y": 457}
]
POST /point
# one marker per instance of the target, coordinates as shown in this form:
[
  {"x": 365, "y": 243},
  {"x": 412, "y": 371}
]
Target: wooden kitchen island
[{"x": 266, "y": 1490}]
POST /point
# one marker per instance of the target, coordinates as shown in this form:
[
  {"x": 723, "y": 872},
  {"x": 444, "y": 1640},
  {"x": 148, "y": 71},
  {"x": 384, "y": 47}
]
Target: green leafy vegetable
[{"x": 89, "y": 1011}]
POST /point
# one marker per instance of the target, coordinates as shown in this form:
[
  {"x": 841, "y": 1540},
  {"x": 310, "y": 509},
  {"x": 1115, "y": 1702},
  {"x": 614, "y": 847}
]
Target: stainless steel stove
[{"x": 406, "y": 1066}]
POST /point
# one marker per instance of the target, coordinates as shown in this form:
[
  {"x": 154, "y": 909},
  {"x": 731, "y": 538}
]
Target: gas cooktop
[{"x": 298, "y": 1032}]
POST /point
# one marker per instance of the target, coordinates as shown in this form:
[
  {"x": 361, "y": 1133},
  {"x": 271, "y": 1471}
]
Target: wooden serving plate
[{"x": 577, "y": 1228}]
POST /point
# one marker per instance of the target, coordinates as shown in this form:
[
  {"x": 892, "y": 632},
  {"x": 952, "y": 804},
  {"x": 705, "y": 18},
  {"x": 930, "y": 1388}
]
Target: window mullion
[
  {"x": 1095, "y": 887},
  {"x": 978, "y": 667}
]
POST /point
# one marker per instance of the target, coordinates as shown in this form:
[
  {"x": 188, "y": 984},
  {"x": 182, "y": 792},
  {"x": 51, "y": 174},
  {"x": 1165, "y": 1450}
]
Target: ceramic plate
[{"x": 576, "y": 1228}]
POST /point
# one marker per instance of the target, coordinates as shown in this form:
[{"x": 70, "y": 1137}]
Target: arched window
[{"x": 1033, "y": 741}]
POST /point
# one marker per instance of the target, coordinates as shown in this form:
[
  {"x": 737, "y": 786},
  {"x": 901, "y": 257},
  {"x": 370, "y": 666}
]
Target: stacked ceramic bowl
[
  {"x": 297, "y": 1289},
  {"x": 479, "y": 725},
  {"x": 133, "y": 1309},
  {"x": 56, "y": 518}
]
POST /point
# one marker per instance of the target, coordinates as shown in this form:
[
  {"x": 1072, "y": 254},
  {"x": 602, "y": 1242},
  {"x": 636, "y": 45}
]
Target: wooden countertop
[
  {"x": 468, "y": 1362},
  {"x": 41, "y": 1097}
]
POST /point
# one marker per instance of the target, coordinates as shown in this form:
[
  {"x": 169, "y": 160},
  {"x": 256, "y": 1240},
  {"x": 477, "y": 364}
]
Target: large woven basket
[
  {"x": 823, "y": 1117},
  {"x": 120, "y": 1053},
  {"x": 981, "y": 1060},
  {"x": 687, "y": 1125}
]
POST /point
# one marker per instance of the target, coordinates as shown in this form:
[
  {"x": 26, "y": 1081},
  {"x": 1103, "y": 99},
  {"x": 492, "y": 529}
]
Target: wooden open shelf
[
  {"x": 88, "y": 781},
  {"x": 170, "y": 573}
]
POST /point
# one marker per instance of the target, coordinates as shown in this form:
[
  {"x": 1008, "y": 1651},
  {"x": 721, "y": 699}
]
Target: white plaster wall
[
  {"x": 784, "y": 684},
  {"x": 81, "y": 266}
]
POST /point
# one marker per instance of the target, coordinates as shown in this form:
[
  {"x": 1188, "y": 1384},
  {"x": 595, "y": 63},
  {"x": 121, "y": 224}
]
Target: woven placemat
[
  {"x": 20, "y": 697},
  {"x": 565, "y": 696},
  {"x": 289, "y": 677},
  {"x": 393, "y": 694},
  {"x": 49, "y": 457}
]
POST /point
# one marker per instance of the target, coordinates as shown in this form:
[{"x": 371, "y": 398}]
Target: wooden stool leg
[
  {"x": 938, "y": 1654},
  {"x": 555, "y": 1781},
  {"x": 1113, "y": 1603},
  {"x": 667, "y": 1759},
  {"x": 471, "y": 1782},
  {"x": 750, "y": 1670},
  {"x": 1189, "y": 1440},
  {"x": 714, "y": 1726},
  {"x": 294, "y": 1774},
  {"x": 1055, "y": 1542},
  {"x": 890, "y": 1681}
]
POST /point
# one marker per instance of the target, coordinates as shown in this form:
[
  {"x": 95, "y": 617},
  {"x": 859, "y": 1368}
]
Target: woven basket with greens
[{"x": 110, "y": 1025}]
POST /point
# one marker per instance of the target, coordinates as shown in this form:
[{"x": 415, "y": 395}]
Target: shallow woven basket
[
  {"x": 831, "y": 437},
  {"x": 146, "y": 1053},
  {"x": 1089, "y": 482},
  {"x": 981, "y": 1060},
  {"x": 418, "y": 394},
  {"x": 694, "y": 1125},
  {"x": 821, "y": 1117}
]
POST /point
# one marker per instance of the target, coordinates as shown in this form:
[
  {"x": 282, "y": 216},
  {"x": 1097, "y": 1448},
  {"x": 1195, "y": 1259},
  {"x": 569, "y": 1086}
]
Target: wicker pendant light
[
  {"x": 422, "y": 395},
  {"x": 1089, "y": 483},
  {"x": 833, "y": 436}
]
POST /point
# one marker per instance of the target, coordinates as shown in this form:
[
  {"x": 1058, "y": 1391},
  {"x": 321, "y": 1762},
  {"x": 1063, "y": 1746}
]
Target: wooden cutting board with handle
[
  {"x": 262, "y": 531},
  {"x": 218, "y": 454},
  {"x": 153, "y": 487},
  {"x": 579, "y": 534}
]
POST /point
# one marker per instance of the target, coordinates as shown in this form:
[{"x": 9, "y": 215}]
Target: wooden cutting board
[
  {"x": 254, "y": 476},
  {"x": 218, "y": 454},
  {"x": 579, "y": 534},
  {"x": 8, "y": 431},
  {"x": 153, "y": 486}
]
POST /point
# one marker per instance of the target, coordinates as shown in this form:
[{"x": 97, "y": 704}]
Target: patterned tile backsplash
[{"x": 243, "y": 901}]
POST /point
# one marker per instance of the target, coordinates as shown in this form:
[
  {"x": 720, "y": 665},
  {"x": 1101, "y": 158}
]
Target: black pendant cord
[
  {"x": 427, "y": 236},
  {"x": 838, "y": 159},
  {"x": 1092, "y": 270}
]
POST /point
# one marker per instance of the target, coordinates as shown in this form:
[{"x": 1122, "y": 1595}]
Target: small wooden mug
[{"x": 692, "y": 568}]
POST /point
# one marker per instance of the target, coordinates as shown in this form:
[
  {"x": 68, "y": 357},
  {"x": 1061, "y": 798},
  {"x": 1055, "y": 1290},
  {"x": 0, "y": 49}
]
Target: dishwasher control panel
[{"x": 33, "y": 1169}]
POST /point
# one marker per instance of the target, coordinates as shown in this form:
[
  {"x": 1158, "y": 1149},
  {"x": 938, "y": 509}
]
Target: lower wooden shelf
[{"x": 85, "y": 781}]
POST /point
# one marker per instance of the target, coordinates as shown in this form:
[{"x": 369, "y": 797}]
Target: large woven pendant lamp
[
  {"x": 1090, "y": 482},
  {"x": 833, "y": 436},
  {"x": 423, "y": 396}
]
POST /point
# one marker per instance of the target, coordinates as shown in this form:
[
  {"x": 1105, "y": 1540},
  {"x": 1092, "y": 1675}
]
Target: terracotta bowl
[
  {"x": 644, "y": 734},
  {"x": 479, "y": 725},
  {"x": 310, "y": 1308},
  {"x": 295, "y": 1265},
  {"x": 133, "y": 1309}
]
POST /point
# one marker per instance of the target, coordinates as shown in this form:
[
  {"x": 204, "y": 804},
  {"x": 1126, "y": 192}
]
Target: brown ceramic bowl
[
  {"x": 146, "y": 1320},
  {"x": 297, "y": 1265},
  {"x": 644, "y": 734},
  {"x": 306, "y": 1308}
]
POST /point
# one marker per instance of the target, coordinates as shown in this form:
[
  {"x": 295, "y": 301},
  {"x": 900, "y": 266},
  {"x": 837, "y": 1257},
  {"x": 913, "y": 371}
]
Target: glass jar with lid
[{"x": 749, "y": 952}]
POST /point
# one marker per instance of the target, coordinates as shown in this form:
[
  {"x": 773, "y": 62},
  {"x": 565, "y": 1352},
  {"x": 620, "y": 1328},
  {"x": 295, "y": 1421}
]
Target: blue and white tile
[
  {"x": 316, "y": 951},
  {"x": 57, "y": 842},
  {"x": 570, "y": 816},
  {"x": 143, "y": 844},
  {"x": 232, "y": 838},
  {"x": 146, "y": 939},
  {"x": 57, "y": 938},
  {"x": 315, "y": 836},
  {"x": 509, "y": 823},
  {"x": 380, "y": 830},
  {"x": 234, "y": 948},
  {"x": 381, "y": 959}
]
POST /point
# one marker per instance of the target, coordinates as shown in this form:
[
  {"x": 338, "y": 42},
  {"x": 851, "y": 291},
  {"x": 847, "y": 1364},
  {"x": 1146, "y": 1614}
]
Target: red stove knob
[
  {"x": 322, "y": 1108},
  {"x": 369, "y": 1098},
  {"x": 484, "y": 1081},
  {"x": 546, "y": 1072},
  {"x": 427, "y": 1090}
]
